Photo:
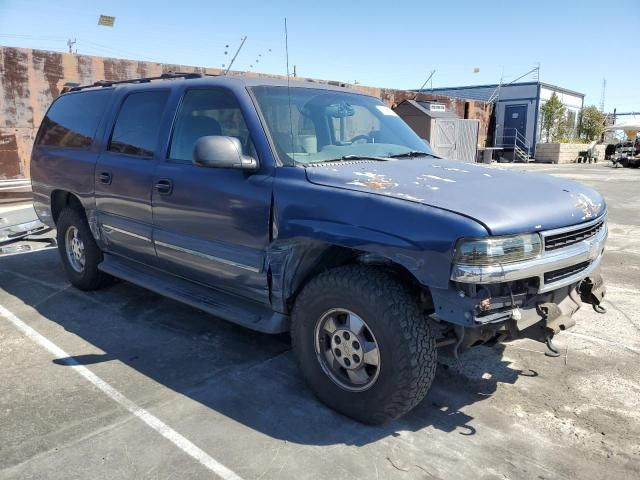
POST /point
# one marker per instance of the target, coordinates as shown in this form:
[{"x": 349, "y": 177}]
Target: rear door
[
  {"x": 123, "y": 175},
  {"x": 211, "y": 225}
]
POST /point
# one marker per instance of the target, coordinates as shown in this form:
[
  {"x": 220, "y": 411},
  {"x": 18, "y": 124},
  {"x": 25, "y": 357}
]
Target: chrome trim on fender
[
  {"x": 206, "y": 256},
  {"x": 111, "y": 228},
  {"x": 589, "y": 250}
]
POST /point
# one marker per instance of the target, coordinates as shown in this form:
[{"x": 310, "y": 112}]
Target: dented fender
[{"x": 308, "y": 220}]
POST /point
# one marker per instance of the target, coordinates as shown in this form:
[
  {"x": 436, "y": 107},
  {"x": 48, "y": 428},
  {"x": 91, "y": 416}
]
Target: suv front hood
[{"x": 504, "y": 201}]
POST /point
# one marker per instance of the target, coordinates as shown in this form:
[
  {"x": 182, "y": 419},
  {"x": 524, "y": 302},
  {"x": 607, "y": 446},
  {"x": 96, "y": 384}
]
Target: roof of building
[
  {"x": 484, "y": 92},
  {"x": 422, "y": 106}
]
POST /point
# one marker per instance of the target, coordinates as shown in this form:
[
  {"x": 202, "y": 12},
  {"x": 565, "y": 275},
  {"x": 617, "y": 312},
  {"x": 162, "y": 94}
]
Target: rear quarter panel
[{"x": 69, "y": 169}]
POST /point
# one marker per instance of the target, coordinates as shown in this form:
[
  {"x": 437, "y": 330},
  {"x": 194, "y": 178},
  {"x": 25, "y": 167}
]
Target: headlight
[{"x": 496, "y": 250}]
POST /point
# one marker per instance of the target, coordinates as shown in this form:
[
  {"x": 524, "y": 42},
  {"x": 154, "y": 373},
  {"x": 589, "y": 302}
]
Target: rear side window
[
  {"x": 138, "y": 123},
  {"x": 73, "y": 119}
]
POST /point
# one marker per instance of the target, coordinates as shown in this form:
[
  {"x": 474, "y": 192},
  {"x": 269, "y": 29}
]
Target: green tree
[
  {"x": 591, "y": 123},
  {"x": 554, "y": 119}
]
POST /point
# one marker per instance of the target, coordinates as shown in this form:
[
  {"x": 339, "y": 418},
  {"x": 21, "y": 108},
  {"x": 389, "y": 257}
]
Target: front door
[
  {"x": 515, "y": 125},
  {"x": 211, "y": 225},
  {"x": 124, "y": 172}
]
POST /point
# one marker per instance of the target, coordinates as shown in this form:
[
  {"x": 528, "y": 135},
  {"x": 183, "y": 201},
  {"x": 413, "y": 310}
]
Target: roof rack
[{"x": 74, "y": 87}]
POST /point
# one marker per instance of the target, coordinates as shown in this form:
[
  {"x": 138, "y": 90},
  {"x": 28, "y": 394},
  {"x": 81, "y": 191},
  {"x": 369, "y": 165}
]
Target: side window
[
  {"x": 208, "y": 112},
  {"x": 138, "y": 123},
  {"x": 73, "y": 119}
]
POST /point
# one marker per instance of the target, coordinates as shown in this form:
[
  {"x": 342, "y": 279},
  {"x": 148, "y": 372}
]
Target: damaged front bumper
[
  {"x": 554, "y": 268},
  {"x": 535, "y": 298}
]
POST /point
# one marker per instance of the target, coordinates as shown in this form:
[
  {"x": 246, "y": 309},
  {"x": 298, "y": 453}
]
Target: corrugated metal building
[{"x": 517, "y": 109}]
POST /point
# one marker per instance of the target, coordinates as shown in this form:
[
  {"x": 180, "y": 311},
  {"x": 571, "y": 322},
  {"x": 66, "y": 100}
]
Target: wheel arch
[
  {"x": 309, "y": 260},
  {"x": 61, "y": 199}
]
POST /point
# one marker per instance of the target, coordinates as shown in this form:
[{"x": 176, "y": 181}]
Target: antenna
[
  {"x": 496, "y": 93},
  {"x": 602, "y": 95},
  {"x": 286, "y": 49},
  {"x": 244, "y": 39},
  {"x": 425, "y": 84},
  {"x": 535, "y": 69}
]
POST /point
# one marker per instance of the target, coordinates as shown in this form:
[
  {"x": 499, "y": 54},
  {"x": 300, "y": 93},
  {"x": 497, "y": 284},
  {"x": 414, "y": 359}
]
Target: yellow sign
[{"x": 106, "y": 20}]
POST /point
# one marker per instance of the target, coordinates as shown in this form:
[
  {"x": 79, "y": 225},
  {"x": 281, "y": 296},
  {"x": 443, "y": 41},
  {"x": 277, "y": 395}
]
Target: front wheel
[{"x": 363, "y": 343}]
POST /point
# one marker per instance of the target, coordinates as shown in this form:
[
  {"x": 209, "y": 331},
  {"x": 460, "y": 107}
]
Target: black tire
[
  {"x": 405, "y": 342},
  {"x": 89, "y": 278}
]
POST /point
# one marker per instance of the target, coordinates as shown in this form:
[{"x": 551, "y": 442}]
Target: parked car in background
[{"x": 316, "y": 210}]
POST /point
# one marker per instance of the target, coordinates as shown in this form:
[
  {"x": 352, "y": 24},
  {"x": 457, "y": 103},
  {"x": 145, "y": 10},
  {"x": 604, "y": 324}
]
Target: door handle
[
  {"x": 105, "y": 177},
  {"x": 164, "y": 186}
]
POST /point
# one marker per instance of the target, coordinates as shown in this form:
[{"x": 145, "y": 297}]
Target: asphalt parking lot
[{"x": 122, "y": 383}]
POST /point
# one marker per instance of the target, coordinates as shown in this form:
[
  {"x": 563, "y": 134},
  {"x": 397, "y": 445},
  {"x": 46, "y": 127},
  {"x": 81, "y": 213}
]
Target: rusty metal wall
[{"x": 31, "y": 79}]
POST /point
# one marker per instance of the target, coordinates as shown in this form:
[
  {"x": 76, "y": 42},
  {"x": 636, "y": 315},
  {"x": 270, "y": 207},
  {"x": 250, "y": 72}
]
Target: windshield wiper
[
  {"x": 413, "y": 153},
  {"x": 355, "y": 157}
]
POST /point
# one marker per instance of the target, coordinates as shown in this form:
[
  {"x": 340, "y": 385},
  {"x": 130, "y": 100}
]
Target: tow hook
[
  {"x": 555, "y": 322},
  {"x": 592, "y": 291},
  {"x": 553, "y": 350}
]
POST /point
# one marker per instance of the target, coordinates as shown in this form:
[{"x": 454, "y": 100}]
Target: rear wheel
[
  {"x": 363, "y": 343},
  {"x": 78, "y": 250}
]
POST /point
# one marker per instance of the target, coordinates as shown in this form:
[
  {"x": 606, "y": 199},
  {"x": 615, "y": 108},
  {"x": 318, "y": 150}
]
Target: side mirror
[{"x": 216, "y": 151}]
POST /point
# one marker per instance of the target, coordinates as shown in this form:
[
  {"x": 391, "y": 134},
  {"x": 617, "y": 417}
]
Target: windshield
[{"x": 314, "y": 125}]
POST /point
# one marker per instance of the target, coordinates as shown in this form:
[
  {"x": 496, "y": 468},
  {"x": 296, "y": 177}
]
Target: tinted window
[
  {"x": 73, "y": 119},
  {"x": 208, "y": 112},
  {"x": 138, "y": 123}
]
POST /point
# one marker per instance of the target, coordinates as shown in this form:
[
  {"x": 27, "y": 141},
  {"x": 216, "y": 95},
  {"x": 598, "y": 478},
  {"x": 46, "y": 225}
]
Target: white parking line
[{"x": 163, "y": 429}]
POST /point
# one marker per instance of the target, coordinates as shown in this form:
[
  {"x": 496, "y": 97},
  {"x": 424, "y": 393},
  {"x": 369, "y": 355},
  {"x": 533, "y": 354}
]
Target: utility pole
[
  {"x": 71, "y": 43},
  {"x": 244, "y": 39}
]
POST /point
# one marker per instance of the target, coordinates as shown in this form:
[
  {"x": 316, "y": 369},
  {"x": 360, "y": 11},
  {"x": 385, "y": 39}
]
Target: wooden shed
[{"x": 449, "y": 135}]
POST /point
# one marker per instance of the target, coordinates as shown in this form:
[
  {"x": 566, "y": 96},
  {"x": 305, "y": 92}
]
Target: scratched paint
[
  {"x": 373, "y": 181},
  {"x": 450, "y": 169},
  {"x": 589, "y": 208},
  {"x": 436, "y": 177}
]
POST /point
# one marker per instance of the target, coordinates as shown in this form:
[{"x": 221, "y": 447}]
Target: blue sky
[{"x": 378, "y": 43}]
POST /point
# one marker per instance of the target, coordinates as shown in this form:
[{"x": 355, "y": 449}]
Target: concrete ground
[{"x": 122, "y": 383}]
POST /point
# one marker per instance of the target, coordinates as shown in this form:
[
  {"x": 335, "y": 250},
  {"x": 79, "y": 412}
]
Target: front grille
[
  {"x": 565, "y": 272},
  {"x": 559, "y": 240}
]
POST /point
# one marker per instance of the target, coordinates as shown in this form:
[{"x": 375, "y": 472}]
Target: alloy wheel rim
[
  {"x": 74, "y": 247},
  {"x": 347, "y": 350}
]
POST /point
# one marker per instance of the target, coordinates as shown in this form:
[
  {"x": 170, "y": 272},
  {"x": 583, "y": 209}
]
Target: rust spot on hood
[{"x": 374, "y": 181}]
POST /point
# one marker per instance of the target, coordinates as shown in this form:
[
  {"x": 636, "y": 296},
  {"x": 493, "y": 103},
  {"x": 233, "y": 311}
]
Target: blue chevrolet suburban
[{"x": 316, "y": 210}]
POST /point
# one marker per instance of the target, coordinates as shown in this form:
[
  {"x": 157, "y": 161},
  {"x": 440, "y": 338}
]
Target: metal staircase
[{"x": 514, "y": 139}]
